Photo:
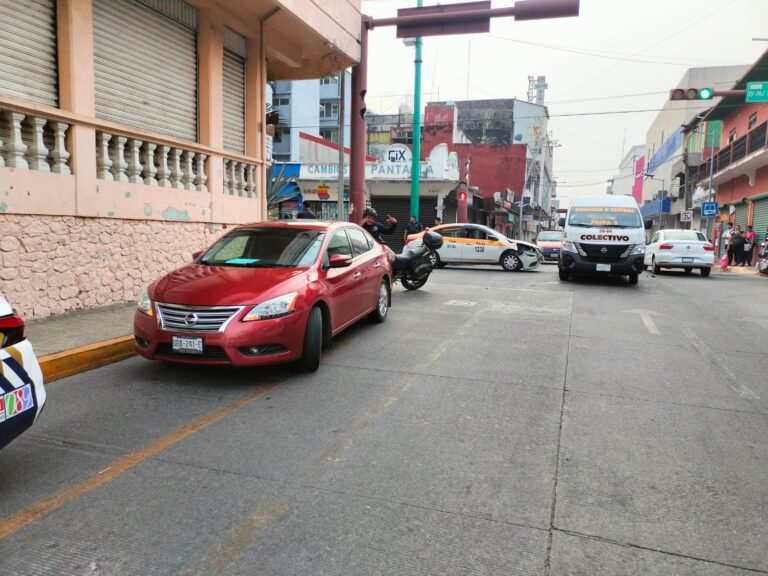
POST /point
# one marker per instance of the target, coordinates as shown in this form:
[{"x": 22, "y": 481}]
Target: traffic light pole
[
  {"x": 452, "y": 19},
  {"x": 416, "y": 146}
]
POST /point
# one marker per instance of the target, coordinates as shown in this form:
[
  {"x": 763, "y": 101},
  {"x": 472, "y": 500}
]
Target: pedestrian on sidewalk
[
  {"x": 725, "y": 240},
  {"x": 737, "y": 246},
  {"x": 750, "y": 239},
  {"x": 306, "y": 213}
]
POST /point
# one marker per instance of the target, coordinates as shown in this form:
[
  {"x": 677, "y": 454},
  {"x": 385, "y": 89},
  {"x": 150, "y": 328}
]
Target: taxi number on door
[{"x": 480, "y": 248}]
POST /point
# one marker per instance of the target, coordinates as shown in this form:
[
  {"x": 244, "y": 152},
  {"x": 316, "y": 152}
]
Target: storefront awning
[{"x": 653, "y": 208}]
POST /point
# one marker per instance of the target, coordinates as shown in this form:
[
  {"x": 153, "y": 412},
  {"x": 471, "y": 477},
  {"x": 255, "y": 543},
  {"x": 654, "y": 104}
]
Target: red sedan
[{"x": 266, "y": 293}]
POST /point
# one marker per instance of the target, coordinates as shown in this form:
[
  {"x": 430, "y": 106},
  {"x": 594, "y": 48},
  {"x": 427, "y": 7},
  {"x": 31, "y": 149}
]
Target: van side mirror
[{"x": 561, "y": 222}]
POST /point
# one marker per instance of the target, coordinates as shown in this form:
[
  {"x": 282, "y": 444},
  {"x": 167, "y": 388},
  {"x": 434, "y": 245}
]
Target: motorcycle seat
[{"x": 409, "y": 255}]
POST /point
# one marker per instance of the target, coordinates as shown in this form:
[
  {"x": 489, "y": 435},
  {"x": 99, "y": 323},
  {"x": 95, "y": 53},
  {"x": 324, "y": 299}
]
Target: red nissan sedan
[{"x": 266, "y": 293}]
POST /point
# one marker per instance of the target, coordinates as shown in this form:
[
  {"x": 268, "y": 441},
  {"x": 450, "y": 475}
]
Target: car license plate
[
  {"x": 687, "y": 259},
  {"x": 603, "y": 267},
  {"x": 187, "y": 344}
]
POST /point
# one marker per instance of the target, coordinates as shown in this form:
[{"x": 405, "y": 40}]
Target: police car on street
[{"x": 22, "y": 394}]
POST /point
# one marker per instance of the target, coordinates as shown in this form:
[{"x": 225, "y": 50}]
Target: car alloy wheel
[
  {"x": 379, "y": 314},
  {"x": 510, "y": 262}
]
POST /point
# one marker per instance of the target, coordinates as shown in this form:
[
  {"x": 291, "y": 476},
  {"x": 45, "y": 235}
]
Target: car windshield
[
  {"x": 684, "y": 235},
  {"x": 266, "y": 248},
  {"x": 550, "y": 236},
  {"x": 604, "y": 217}
]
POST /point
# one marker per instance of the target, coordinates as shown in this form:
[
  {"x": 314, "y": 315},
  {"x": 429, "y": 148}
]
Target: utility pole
[
  {"x": 340, "y": 197},
  {"x": 416, "y": 146}
]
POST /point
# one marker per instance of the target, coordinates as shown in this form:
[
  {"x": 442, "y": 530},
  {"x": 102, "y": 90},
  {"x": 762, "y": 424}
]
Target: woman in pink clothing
[{"x": 749, "y": 247}]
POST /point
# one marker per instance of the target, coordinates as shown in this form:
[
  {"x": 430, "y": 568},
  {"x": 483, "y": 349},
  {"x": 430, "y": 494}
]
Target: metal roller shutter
[
  {"x": 235, "y": 47},
  {"x": 760, "y": 219},
  {"x": 400, "y": 208},
  {"x": 28, "y": 68},
  {"x": 740, "y": 218},
  {"x": 145, "y": 61}
]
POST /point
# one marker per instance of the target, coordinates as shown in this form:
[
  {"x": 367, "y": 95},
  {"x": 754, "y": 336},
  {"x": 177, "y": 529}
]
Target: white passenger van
[{"x": 604, "y": 235}]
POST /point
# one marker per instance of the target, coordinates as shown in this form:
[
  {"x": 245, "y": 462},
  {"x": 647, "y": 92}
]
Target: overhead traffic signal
[{"x": 691, "y": 94}]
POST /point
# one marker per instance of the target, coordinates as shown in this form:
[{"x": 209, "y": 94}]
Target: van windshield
[{"x": 605, "y": 217}]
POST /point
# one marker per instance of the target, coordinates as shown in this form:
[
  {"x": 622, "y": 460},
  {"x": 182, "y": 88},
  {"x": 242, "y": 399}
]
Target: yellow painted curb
[{"x": 68, "y": 362}]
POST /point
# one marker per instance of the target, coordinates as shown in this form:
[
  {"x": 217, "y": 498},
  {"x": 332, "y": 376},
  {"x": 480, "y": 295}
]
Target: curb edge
[{"x": 83, "y": 358}]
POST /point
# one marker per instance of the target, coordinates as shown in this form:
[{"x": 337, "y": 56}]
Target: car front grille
[
  {"x": 611, "y": 254},
  {"x": 195, "y": 318}
]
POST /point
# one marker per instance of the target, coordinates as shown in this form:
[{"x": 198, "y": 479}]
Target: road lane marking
[
  {"x": 29, "y": 514},
  {"x": 334, "y": 452},
  {"x": 218, "y": 557},
  {"x": 645, "y": 316},
  {"x": 730, "y": 378}
]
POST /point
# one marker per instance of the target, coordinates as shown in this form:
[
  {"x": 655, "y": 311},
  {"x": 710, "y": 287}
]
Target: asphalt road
[{"x": 497, "y": 423}]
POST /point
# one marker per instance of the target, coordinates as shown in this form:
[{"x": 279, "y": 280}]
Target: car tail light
[
  {"x": 666, "y": 247},
  {"x": 709, "y": 248},
  {"x": 11, "y": 330}
]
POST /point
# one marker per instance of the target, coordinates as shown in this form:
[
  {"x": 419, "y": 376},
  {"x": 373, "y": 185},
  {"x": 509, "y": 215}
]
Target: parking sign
[
  {"x": 708, "y": 209},
  {"x": 686, "y": 216}
]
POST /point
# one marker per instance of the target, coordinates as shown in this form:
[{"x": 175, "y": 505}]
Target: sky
[{"x": 616, "y": 56}]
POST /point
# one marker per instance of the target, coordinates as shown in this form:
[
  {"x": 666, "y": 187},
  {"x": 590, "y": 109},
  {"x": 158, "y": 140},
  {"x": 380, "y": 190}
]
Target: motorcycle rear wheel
[{"x": 413, "y": 284}]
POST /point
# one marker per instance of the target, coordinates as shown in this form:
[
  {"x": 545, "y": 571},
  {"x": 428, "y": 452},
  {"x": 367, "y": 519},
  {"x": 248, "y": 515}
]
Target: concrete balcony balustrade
[{"x": 33, "y": 142}]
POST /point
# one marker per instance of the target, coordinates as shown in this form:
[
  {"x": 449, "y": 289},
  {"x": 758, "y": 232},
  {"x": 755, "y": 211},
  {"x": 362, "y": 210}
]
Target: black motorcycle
[
  {"x": 413, "y": 267},
  {"x": 762, "y": 263}
]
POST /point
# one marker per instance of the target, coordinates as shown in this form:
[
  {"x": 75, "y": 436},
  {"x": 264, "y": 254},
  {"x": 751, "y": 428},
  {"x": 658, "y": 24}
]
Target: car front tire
[
  {"x": 313, "y": 342},
  {"x": 563, "y": 274},
  {"x": 511, "y": 262},
  {"x": 633, "y": 279}
]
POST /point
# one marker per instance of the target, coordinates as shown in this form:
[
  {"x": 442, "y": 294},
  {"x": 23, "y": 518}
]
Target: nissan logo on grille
[
  {"x": 604, "y": 250},
  {"x": 190, "y": 319}
]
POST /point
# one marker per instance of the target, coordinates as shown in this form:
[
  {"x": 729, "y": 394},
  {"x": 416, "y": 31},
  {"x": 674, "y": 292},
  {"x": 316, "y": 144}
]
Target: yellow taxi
[{"x": 478, "y": 244}]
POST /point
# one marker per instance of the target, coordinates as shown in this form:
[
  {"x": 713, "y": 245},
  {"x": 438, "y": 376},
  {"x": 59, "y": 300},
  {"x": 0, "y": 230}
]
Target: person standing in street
[
  {"x": 737, "y": 246},
  {"x": 438, "y": 221},
  {"x": 750, "y": 239},
  {"x": 725, "y": 240},
  {"x": 376, "y": 229},
  {"x": 413, "y": 227},
  {"x": 306, "y": 213}
]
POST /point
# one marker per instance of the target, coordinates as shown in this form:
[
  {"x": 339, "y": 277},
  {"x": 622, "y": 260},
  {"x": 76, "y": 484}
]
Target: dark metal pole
[{"x": 357, "y": 129}]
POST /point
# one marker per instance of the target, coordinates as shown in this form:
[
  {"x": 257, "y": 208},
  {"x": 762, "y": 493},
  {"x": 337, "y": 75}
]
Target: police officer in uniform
[{"x": 376, "y": 229}]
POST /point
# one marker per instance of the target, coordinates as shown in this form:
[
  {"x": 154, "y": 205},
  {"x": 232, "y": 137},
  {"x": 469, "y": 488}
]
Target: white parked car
[
  {"x": 686, "y": 249},
  {"x": 478, "y": 244},
  {"x": 22, "y": 394}
]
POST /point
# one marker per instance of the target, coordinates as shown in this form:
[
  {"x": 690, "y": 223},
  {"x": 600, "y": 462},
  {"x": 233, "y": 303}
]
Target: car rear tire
[
  {"x": 510, "y": 262},
  {"x": 434, "y": 257},
  {"x": 705, "y": 271},
  {"x": 656, "y": 269},
  {"x": 633, "y": 278},
  {"x": 313, "y": 342},
  {"x": 379, "y": 314},
  {"x": 563, "y": 274}
]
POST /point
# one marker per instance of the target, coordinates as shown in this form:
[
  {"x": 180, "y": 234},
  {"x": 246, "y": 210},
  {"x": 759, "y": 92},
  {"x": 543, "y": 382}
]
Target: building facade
[
  {"x": 665, "y": 186},
  {"x": 630, "y": 173},
  {"x": 308, "y": 107},
  {"x": 133, "y": 131},
  {"x": 732, "y": 143}
]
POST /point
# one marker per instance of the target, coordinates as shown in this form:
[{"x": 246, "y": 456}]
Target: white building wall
[
  {"x": 625, "y": 179},
  {"x": 305, "y": 113}
]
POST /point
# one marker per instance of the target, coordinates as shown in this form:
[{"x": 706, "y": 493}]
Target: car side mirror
[
  {"x": 196, "y": 255},
  {"x": 561, "y": 222},
  {"x": 339, "y": 261}
]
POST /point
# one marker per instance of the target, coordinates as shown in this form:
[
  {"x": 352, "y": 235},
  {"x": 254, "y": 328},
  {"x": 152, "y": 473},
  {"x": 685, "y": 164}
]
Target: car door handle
[{"x": 356, "y": 275}]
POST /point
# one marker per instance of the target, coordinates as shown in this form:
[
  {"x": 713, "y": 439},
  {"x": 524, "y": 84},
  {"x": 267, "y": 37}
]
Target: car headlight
[
  {"x": 633, "y": 250},
  {"x": 273, "y": 308},
  {"x": 145, "y": 304},
  {"x": 569, "y": 247}
]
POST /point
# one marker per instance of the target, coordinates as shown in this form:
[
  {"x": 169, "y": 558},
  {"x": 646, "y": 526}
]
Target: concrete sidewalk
[{"x": 82, "y": 340}]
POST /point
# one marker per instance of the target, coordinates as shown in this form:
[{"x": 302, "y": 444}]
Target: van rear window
[{"x": 609, "y": 217}]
